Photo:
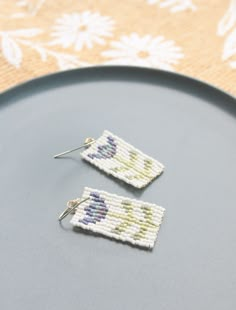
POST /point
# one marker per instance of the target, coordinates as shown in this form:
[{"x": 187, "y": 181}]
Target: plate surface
[{"x": 188, "y": 126}]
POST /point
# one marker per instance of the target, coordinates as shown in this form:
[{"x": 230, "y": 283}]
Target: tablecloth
[{"x": 193, "y": 37}]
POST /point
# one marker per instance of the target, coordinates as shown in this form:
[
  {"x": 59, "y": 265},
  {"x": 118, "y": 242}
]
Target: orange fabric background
[{"x": 198, "y": 37}]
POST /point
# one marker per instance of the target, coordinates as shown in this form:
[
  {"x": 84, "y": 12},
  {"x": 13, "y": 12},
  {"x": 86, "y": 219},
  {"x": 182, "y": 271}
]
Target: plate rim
[{"x": 107, "y": 68}]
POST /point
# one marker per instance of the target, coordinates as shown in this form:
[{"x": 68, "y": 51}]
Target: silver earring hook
[
  {"x": 71, "y": 206},
  {"x": 87, "y": 143}
]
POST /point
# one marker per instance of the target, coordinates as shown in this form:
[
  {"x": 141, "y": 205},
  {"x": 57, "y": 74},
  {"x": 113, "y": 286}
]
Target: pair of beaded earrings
[{"x": 115, "y": 216}]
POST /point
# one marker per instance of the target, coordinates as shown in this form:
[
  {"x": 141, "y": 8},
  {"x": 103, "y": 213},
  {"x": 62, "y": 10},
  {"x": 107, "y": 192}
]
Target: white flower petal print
[
  {"x": 11, "y": 51},
  {"x": 233, "y": 64},
  {"x": 229, "y": 19},
  {"x": 153, "y": 1},
  {"x": 81, "y": 30},
  {"x": 174, "y": 5},
  {"x": 21, "y": 3},
  {"x": 17, "y": 15},
  {"x": 24, "y": 33},
  {"x": 230, "y": 46},
  {"x": 144, "y": 51}
]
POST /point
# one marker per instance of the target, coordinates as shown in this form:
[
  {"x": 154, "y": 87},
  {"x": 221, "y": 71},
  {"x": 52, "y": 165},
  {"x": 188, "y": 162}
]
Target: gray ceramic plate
[{"x": 187, "y": 125}]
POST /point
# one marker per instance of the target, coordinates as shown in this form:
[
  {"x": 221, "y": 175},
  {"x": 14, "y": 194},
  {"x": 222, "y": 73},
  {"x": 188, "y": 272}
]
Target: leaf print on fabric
[
  {"x": 32, "y": 7},
  {"x": 229, "y": 19},
  {"x": 174, "y": 5},
  {"x": 81, "y": 30},
  {"x": 233, "y": 64},
  {"x": 21, "y": 3},
  {"x": 24, "y": 8},
  {"x": 24, "y": 33},
  {"x": 67, "y": 62},
  {"x": 226, "y": 24},
  {"x": 64, "y": 61},
  {"x": 230, "y": 46},
  {"x": 11, "y": 51},
  {"x": 10, "y": 41},
  {"x": 144, "y": 51}
]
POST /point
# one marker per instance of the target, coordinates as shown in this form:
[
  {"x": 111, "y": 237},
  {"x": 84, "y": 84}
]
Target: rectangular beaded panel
[
  {"x": 120, "y": 159},
  {"x": 118, "y": 217}
]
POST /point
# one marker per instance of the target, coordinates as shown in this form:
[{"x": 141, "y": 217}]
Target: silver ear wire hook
[
  {"x": 87, "y": 143},
  {"x": 71, "y": 206}
]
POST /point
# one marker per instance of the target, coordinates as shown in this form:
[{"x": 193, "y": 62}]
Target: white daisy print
[
  {"x": 174, "y": 5},
  {"x": 144, "y": 51},
  {"x": 79, "y": 30}
]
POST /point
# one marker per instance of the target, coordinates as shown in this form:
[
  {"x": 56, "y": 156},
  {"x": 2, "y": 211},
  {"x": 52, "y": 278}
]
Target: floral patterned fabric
[{"x": 193, "y": 37}]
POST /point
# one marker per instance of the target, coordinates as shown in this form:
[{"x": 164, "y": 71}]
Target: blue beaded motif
[
  {"x": 106, "y": 151},
  {"x": 96, "y": 211}
]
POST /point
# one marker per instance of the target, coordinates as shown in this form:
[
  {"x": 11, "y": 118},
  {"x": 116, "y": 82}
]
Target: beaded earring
[
  {"x": 120, "y": 159},
  {"x": 116, "y": 217}
]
